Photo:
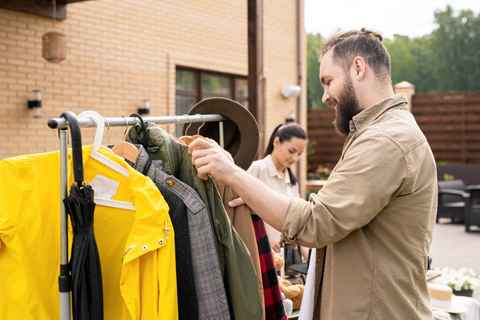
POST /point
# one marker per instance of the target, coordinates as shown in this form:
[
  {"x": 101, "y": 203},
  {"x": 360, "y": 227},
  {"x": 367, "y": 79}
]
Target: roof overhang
[{"x": 42, "y": 8}]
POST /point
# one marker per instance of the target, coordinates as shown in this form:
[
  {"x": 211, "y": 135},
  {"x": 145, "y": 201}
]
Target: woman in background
[{"x": 286, "y": 145}]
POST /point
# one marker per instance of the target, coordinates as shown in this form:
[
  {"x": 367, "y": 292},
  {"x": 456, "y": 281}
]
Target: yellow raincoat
[{"x": 137, "y": 253}]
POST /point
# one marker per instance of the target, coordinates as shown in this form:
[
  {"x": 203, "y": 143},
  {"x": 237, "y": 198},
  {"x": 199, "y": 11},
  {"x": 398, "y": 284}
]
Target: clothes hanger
[
  {"x": 175, "y": 128},
  {"x": 190, "y": 139},
  {"x": 108, "y": 128},
  {"x": 198, "y": 135},
  {"x": 102, "y": 159},
  {"x": 146, "y": 137},
  {"x": 98, "y": 141},
  {"x": 125, "y": 149},
  {"x": 186, "y": 138}
]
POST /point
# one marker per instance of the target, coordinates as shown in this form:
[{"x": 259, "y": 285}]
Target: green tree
[
  {"x": 447, "y": 60},
  {"x": 410, "y": 62},
  {"x": 424, "y": 79},
  {"x": 404, "y": 63},
  {"x": 314, "y": 89},
  {"x": 455, "y": 51}
]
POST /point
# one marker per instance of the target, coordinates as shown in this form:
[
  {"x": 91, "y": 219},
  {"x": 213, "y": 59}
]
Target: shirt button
[
  {"x": 144, "y": 248},
  {"x": 170, "y": 183},
  {"x": 161, "y": 241},
  {"x": 122, "y": 282}
]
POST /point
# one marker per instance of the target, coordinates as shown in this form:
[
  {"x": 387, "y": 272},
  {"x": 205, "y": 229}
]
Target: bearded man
[{"x": 372, "y": 222}]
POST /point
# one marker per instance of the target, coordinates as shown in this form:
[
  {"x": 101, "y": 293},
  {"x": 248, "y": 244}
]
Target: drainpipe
[
  {"x": 299, "y": 73},
  {"x": 256, "y": 82}
]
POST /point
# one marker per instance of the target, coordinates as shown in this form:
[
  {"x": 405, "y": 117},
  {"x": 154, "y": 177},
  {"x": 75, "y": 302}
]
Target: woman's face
[{"x": 288, "y": 152}]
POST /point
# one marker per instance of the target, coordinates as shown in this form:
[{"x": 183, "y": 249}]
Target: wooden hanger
[
  {"x": 125, "y": 149},
  {"x": 198, "y": 135},
  {"x": 106, "y": 149},
  {"x": 179, "y": 140},
  {"x": 187, "y": 139},
  {"x": 175, "y": 128}
]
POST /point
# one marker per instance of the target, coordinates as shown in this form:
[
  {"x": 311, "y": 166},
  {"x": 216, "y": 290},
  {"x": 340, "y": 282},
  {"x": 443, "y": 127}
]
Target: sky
[{"x": 413, "y": 18}]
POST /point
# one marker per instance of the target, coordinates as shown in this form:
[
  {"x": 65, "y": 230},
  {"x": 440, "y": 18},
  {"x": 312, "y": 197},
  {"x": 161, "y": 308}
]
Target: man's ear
[{"x": 359, "y": 68}]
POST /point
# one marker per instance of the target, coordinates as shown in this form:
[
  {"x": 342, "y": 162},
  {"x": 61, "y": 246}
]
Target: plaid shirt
[{"x": 274, "y": 309}]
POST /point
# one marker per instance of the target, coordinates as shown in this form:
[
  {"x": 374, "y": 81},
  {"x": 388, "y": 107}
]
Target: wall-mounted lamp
[
  {"x": 291, "y": 119},
  {"x": 291, "y": 91},
  {"x": 35, "y": 103},
  {"x": 146, "y": 108}
]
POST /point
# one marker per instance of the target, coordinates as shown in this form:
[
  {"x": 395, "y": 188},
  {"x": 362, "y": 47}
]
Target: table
[
  {"x": 294, "y": 315},
  {"x": 315, "y": 184}
]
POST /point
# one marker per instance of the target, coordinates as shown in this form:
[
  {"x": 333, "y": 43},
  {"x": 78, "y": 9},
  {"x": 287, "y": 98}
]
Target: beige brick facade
[{"x": 121, "y": 52}]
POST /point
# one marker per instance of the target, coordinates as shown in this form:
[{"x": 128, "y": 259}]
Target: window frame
[{"x": 199, "y": 95}]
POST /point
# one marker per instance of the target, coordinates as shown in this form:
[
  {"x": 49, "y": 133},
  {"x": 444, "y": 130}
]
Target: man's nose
[{"x": 325, "y": 96}]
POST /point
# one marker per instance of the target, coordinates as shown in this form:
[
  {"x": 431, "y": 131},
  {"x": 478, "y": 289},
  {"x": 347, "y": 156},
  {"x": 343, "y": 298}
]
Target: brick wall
[
  {"x": 280, "y": 67},
  {"x": 121, "y": 52}
]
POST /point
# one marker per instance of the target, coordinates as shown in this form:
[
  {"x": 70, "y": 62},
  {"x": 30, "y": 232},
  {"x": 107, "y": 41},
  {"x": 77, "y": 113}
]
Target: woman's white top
[{"x": 266, "y": 172}]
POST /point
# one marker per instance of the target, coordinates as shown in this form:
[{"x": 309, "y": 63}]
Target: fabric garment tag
[{"x": 104, "y": 187}]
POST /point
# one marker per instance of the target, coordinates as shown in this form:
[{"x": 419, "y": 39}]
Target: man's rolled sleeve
[
  {"x": 329, "y": 216},
  {"x": 297, "y": 215}
]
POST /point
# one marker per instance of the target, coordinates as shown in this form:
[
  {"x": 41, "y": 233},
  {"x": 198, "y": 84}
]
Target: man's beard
[{"x": 347, "y": 108}]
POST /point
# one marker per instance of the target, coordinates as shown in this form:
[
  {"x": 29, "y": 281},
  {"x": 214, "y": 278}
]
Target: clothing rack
[{"x": 62, "y": 125}]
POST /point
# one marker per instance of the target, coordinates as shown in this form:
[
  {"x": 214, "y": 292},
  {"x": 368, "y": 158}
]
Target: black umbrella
[{"x": 87, "y": 289}]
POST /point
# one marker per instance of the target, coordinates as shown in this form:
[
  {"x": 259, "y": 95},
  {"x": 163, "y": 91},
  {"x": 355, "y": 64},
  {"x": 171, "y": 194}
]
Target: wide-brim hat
[
  {"x": 240, "y": 132},
  {"x": 441, "y": 298}
]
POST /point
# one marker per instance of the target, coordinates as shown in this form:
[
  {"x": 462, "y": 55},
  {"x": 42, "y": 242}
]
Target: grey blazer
[{"x": 210, "y": 291}]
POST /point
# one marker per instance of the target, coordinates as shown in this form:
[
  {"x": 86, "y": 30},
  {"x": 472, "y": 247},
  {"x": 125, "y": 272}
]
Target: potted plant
[
  {"x": 321, "y": 173},
  {"x": 462, "y": 281}
]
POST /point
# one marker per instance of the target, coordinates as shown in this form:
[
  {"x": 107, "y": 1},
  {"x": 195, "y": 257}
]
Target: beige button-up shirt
[
  {"x": 266, "y": 172},
  {"x": 373, "y": 220}
]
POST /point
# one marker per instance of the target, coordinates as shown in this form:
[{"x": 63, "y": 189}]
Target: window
[
  {"x": 216, "y": 86},
  {"x": 186, "y": 91},
  {"x": 192, "y": 85},
  {"x": 241, "y": 91}
]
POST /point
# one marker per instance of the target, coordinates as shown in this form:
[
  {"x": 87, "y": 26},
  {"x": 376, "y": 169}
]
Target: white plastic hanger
[
  {"x": 98, "y": 141},
  {"x": 113, "y": 203},
  {"x": 97, "y": 156}
]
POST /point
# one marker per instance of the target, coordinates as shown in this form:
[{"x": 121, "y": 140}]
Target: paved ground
[{"x": 455, "y": 248}]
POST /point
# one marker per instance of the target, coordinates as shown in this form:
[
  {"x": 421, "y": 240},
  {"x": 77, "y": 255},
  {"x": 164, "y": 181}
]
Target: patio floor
[{"x": 455, "y": 248}]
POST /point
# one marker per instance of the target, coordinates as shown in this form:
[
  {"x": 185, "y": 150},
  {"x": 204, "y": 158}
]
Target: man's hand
[
  {"x": 236, "y": 202},
  {"x": 211, "y": 159},
  {"x": 275, "y": 244},
  {"x": 225, "y": 152}
]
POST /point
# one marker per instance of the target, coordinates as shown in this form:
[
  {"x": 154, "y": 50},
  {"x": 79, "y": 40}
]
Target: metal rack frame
[{"x": 63, "y": 126}]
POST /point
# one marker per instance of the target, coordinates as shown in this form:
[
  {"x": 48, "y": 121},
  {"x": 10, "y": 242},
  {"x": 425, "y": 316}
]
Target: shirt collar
[
  {"x": 272, "y": 170},
  {"x": 370, "y": 114}
]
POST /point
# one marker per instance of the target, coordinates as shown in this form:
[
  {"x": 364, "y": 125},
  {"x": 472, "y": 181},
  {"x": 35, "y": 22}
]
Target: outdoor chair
[
  {"x": 472, "y": 207},
  {"x": 452, "y": 196}
]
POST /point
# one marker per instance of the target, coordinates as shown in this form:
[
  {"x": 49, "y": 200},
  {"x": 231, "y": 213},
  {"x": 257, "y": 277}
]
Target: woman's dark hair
[{"x": 285, "y": 132}]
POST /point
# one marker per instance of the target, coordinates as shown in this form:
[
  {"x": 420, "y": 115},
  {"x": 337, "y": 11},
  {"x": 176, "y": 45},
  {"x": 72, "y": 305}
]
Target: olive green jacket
[
  {"x": 237, "y": 269},
  {"x": 373, "y": 220}
]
